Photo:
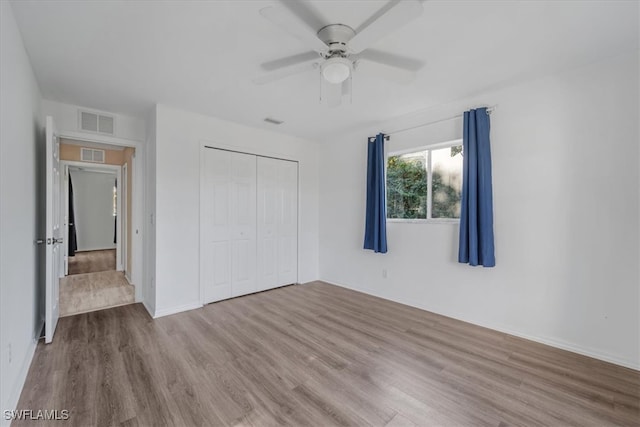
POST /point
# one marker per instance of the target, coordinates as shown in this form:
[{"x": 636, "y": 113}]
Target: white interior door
[
  {"x": 287, "y": 222},
  {"x": 228, "y": 224},
  {"x": 249, "y": 224},
  {"x": 243, "y": 219},
  {"x": 268, "y": 213},
  {"x": 54, "y": 238},
  {"x": 277, "y": 223},
  {"x": 215, "y": 259}
]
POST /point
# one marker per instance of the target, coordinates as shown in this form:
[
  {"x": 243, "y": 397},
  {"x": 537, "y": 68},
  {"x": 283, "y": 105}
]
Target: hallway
[
  {"x": 93, "y": 284},
  {"x": 92, "y": 261}
]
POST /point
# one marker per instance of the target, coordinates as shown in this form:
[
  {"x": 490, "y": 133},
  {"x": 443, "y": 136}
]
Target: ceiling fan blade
[
  {"x": 384, "y": 71},
  {"x": 294, "y": 25},
  {"x": 391, "y": 59},
  {"x": 388, "y": 19},
  {"x": 284, "y": 72},
  {"x": 306, "y": 12},
  {"x": 290, "y": 61}
]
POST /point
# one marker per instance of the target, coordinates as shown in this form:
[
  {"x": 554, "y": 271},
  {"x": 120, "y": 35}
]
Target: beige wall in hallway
[{"x": 71, "y": 152}]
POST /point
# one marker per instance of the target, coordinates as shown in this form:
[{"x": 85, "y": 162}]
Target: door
[
  {"x": 243, "y": 224},
  {"x": 287, "y": 223},
  {"x": 268, "y": 212},
  {"x": 228, "y": 250},
  {"x": 215, "y": 258},
  {"x": 277, "y": 223},
  {"x": 53, "y": 231}
]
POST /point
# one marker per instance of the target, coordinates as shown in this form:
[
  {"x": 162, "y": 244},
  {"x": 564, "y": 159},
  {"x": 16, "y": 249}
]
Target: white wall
[
  {"x": 565, "y": 174},
  {"x": 179, "y": 138},
  {"x": 66, "y": 117},
  {"x": 93, "y": 207},
  {"x": 21, "y": 140}
]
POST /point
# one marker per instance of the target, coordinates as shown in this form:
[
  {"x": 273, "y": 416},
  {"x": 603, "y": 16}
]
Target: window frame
[{"x": 428, "y": 149}]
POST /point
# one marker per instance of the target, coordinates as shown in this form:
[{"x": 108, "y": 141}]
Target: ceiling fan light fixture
[{"x": 336, "y": 70}]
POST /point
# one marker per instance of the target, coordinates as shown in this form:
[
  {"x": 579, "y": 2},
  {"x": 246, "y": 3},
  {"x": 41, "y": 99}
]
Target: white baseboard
[
  {"x": 552, "y": 342},
  {"x": 149, "y": 309},
  {"x": 178, "y": 309},
  {"x": 14, "y": 396}
]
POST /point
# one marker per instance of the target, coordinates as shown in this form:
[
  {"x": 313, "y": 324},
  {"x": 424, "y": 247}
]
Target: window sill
[{"x": 425, "y": 221}]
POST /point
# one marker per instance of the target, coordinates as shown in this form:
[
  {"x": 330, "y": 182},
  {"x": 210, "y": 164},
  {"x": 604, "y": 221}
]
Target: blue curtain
[
  {"x": 476, "y": 217},
  {"x": 375, "y": 235}
]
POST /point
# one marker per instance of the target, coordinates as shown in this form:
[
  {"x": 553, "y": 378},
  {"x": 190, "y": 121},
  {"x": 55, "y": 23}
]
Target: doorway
[{"x": 96, "y": 222}]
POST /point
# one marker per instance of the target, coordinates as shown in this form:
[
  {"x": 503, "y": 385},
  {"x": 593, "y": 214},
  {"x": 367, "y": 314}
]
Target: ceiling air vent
[
  {"x": 99, "y": 123},
  {"x": 273, "y": 121},
  {"x": 91, "y": 155}
]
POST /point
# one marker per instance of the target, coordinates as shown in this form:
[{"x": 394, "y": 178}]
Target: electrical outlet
[{"x": 384, "y": 273}]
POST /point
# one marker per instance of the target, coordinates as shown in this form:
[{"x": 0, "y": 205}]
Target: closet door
[
  {"x": 268, "y": 211},
  {"x": 228, "y": 224},
  {"x": 216, "y": 225},
  {"x": 243, "y": 229},
  {"x": 277, "y": 223},
  {"x": 287, "y": 223}
]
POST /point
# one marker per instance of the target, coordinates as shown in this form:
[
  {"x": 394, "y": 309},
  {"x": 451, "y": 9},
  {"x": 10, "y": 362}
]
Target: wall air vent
[
  {"x": 98, "y": 123},
  {"x": 91, "y": 155},
  {"x": 273, "y": 121}
]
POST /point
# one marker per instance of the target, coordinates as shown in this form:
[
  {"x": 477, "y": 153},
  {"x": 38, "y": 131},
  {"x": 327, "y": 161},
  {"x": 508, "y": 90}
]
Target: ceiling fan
[{"x": 338, "y": 49}]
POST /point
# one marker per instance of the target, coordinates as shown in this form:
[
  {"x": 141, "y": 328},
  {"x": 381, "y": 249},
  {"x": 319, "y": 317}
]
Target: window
[
  {"x": 425, "y": 184},
  {"x": 115, "y": 201}
]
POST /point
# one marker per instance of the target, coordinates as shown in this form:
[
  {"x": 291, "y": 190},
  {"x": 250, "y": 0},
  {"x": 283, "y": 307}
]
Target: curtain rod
[{"x": 387, "y": 136}]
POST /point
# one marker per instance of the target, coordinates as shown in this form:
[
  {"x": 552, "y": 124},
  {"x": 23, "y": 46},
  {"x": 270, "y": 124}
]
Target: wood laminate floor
[
  {"x": 81, "y": 293},
  {"x": 92, "y": 261},
  {"x": 318, "y": 355}
]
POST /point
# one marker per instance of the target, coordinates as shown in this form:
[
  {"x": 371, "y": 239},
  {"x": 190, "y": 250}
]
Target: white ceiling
[{"x": 125, "y": 56}]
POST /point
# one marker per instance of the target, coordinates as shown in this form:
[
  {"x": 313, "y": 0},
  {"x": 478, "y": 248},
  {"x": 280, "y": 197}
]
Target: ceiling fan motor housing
[{"x": 336, "y": 37}]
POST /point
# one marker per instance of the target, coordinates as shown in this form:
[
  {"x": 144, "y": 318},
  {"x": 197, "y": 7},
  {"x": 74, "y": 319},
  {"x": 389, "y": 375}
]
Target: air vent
[
  {"x": 98, "y": 123},
  {"x": 91, "y": 155},
  {"x": 273, "y": 121},
  {"x": 105, "y": 124}
]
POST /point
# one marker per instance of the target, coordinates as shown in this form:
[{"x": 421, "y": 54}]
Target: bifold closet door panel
[
  {"x": 287, "y": 223},
  {"x": 216, "y": 225},
  {"x": 277, "y": 223},
  {"x": 268, "y": 211},
  {"x": 243, "y": 212},
  {"x": 228, "y": 261}
]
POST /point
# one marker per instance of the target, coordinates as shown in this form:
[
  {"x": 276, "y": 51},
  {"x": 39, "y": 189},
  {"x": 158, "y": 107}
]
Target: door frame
[
  {"x": 140, "y": 264},
  {"x": 64, "y": 190},
  {"x": 124, "y": 217}
]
